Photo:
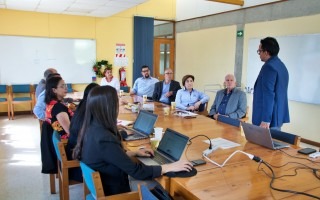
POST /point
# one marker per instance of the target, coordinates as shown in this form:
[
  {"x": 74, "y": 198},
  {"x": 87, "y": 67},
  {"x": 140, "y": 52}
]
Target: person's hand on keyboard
[
  {"x": 145, "y": 152},
  {"x": 180, "y": 165}
]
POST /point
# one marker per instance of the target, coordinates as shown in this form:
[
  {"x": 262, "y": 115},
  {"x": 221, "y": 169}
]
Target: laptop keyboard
[{"x": 160, "y": 159}]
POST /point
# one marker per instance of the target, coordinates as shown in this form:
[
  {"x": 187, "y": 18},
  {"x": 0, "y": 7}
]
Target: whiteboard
[
  {"x": 301, "y": 55},
  {"x": 24, "y": 59}
]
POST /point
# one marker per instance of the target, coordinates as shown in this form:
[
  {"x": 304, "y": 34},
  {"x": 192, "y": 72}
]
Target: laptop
[
  {"x": 261, "y": 136},
  {"x": 142, "y": 127},
  {"x": 169, "y": 150}
]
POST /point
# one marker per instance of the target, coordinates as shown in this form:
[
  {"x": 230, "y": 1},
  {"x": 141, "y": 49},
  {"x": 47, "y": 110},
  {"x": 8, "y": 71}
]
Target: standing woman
[
  {"x": 57, "y": 113},
  {"x": 99, "y": 146},
  {"x": 189, "y": 98},
  {"x": 109, "y": 79}
]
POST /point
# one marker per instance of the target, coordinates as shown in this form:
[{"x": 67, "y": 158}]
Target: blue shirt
[
  {"x": 165, "y": 90},
  {"x": 224, "y": 102},
  {"x": 144, "y": 86},
  {"x": 40, "y": 108},
  {"x": 185, "y": 98}
]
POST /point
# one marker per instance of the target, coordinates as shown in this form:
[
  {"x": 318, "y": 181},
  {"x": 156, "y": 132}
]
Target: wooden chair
[
  {"x": 94, "y": 190},
  {"x": 28, "y": 97},
  {"x": 285, "y": 137},
  {"x": 5, "y": 100},
  {"x": 63, "y": 166},
  {"x": 228, "y": 120}
]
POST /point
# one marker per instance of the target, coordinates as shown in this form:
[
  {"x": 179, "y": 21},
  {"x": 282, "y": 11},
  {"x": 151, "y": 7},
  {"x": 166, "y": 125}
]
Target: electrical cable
[
  {"x": 210, "y": 144},
  {"x": 252, "y": 157},
  {"x": 273, "y": 177},
  {"x": 298, "y": 157}
]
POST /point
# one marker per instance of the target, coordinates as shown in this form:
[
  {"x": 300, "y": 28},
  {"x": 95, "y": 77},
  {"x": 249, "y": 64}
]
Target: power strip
[
  {"x": 314, "y": 155},
  {"x": 208, "y": 151}
]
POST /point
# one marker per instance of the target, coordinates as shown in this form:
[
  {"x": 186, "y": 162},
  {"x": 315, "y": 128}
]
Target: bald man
[
  {"x": 42, "y": 84},
  {"x": 230, "y": 102}
]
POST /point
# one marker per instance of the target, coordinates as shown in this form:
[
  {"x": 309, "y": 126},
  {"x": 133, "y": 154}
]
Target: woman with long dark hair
[
  {"x": 77, "y": 120},
  {"x": 99, "y": 146}
]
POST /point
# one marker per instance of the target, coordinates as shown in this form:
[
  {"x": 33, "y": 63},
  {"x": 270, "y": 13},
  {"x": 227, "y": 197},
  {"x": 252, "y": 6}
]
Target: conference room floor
[{"x": 20, "y": 162}]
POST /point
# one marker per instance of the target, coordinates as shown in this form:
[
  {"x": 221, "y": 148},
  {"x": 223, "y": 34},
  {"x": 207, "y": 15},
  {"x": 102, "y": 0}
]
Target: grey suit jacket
[{"x": 237, "y": 104}]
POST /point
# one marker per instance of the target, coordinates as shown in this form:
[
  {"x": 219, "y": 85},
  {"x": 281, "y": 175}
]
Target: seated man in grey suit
[
  {"x": 231, "y": 102},
  {"x": 165, "y": 91}
]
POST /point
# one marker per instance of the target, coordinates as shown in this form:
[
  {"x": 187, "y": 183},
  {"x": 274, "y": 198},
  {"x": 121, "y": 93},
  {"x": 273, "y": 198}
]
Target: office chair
[
  {"x": 93, "y": 186},
  {"x": 5, "y": 100},
  {"x": 228, "y": 120}
]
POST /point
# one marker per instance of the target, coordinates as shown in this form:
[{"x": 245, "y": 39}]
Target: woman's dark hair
[
  {"x": 103, "y": 108},
  {"x": 50, "y": 84},
  {"x": 270, "y": 45},
  {"x": 186, "y": 77},
  {"x": 78, "y": 117}
]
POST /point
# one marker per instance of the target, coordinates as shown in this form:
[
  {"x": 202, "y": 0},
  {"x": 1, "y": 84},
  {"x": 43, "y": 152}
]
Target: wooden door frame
[{"x": 156, "y": 54}]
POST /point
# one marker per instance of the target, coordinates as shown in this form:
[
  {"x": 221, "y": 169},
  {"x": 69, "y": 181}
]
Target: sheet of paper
[
  {"x": 222, "y": 143},
  {"x": 124, "y": 122},
  {"x": 184, "y": 113}
]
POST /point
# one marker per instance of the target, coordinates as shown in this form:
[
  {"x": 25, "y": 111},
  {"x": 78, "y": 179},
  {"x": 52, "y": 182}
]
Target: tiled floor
[{"x": 20, "y": 162}]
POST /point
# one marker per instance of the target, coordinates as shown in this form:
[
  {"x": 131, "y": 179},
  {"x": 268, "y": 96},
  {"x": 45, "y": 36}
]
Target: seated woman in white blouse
[
  {"x": 189, "y": 98},
  {"x": 109, "y": 79}
]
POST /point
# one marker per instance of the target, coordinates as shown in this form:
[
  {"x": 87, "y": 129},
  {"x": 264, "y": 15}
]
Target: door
[{"x": 163, "y": 56}]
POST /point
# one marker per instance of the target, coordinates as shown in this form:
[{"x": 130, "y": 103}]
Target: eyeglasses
[
  {"x": 144, "y": 71},
  {"x": 259, "y": 51},
  {"x": 168, "y": 73},
  {"x": 64, "y": 86}
]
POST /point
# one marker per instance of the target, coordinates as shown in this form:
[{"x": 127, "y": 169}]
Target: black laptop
[
  {"x": 142, "y": 127},
  {"x": 169, "y": 150}
]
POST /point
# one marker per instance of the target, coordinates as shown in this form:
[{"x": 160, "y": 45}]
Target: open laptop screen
[
  {"x": 172, "y": 144},
  {"x": 145, "y": 122}
]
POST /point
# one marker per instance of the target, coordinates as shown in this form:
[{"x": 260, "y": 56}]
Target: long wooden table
[{"x": 240, "y": 177}]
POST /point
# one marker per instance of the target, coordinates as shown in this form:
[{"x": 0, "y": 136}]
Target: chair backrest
[
  {"x": 69, "y": 85},
  {"x": 125, "y": 89},
  {"x": 3, "y": 89},
  {"x": 22, "y": 88},
  {"x": 92, "y": 180},
  {"x": 285, "y": 137},
  {"x": 145, "y": 193},
  {"x": 56, "y": 141},
  {"x": 228, "y": 120}
]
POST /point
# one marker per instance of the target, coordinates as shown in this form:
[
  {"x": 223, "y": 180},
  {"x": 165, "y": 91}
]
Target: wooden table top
[{"x": 240, "y": 177}]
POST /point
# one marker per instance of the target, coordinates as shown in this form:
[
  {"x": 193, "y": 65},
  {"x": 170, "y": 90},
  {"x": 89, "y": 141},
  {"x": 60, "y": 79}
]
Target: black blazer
[
  {"x": 174, "y": 87},
  {"x": 103, "y": 152}
]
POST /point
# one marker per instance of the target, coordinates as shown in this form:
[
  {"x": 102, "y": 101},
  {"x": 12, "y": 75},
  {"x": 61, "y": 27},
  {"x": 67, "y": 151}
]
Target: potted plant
[{"x": 99, "y": 66}]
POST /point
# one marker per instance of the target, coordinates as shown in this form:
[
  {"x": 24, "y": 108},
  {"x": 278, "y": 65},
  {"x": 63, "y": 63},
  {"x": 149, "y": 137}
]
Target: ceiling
[
  {"x": 186, "y": 9},
  {"x": 94, "y": 8}
]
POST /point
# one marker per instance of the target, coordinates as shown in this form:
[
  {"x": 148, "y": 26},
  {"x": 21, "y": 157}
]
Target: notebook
[
  {"x": 261, "y": 136},
  {"x": 169, "y": 150},
  {"x": 142, "y": 127}
]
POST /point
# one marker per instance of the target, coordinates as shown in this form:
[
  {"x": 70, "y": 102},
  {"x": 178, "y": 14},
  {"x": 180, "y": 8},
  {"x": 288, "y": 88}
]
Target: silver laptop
[
  {"x": 169, "y": 150},
  {"x": 261, "y": 136},
  {"x": 142, "y": 127}
]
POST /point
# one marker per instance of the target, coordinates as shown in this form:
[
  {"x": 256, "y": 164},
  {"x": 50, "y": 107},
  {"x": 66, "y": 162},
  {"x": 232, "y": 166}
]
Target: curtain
[{"x": 143, "y": 45}]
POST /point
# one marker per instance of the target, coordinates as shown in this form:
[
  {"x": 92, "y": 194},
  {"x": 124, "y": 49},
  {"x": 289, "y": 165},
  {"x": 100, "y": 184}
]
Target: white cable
[{"x": 238, "y": 151}]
